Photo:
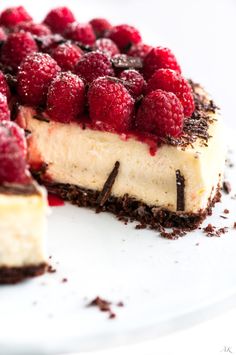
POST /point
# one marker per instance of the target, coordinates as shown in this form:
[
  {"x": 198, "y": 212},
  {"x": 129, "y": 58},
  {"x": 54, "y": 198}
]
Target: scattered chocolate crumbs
[
  {"x": 112, "y": 315},
  {"x": 229, "y": 163},
  {"x": 51, "y": 270},
  {"x": 180, "y": 191},
  {"x": 212, "y": 231},
  {"x": 197, "y": 244},
  {"x": 224, "y": 217},
  {"x": 226, "y": 211},
  {"x": 226, "y": 187},
  {"x": 174, "y": 234},
  {"x": 106, "y": 191},
  {"x": 104, "y": 306},
  {"x": 64, "y": 280},
  {"x": 123, "y": 61},
  {"x": 235, "y": 225},
  {"x": 120, "y": 304}
]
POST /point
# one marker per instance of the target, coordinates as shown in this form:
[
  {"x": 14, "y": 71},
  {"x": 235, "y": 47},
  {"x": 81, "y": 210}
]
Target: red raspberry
[
  {"x": 3, "y": 35},
  {"x": 160, "y": 113},
  {"x": 100, "y": 26},
  {"x": 34, "y": 76},
  {"x": 67, "y": 55},
  {"x": 140, "y": 50},
  {"x": 92, "y": 65},
  {"x": 158, "y": 58},
  {"x": 170, "y": 80},
  {"x": 80, "y": 32},
  {"x": 47, "y": 43},
  {"x": 4, "y": 110},
  {"x": 106, "y": 46},
  {"x": 4, "y": 88},
  {"x": 110, "y": 105},
  {"x": 14, "y": 15},
  {"x": 124, "y": 36},
  {"x": 65, "y": 100},
  {"x": 57, "y": 19},
  {"x": 133, "y": 81},
  {"x": 37, "y": 29},
  {"x": 13, "y": 166},
  {"x": 16, "y": 48}
]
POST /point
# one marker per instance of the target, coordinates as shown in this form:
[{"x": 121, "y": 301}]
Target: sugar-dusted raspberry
[
  {"x": 80, "y": 32},
  {"x": 170, "y": 80},
  {"x": 13, "y": 166},
  {"x": 3, "y": 35},
  {"x": 133, "y": 81},
  {"x": 106, "y": 46},
  {"x": 37, "y": 29},
  {"x": 57, "y": 19},
  {"x": 140, "y": 50},
  {"x": 14, "y": 15},
  {"x": 34, "y": 76},
  {"x": 4, "y": 110},
  {"x": 65, "y": 99},
  {"x": 160, "y": 113},
  {"x": 110, "y": 105},
  {"x": 16, "y": 48},
  {"x": 100, "y": 26},
  {"x": 158, "y": 58},
  {"x": 124, "y": 36},
  {"x": 67, "y": 55},
  {"x": 92, "y": 65},
  {"x": 4, "y": 88}
]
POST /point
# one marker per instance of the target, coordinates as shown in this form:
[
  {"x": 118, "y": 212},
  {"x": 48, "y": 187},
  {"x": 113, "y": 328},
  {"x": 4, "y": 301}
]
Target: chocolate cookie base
[
  {"x": 13, "y": 275},
  {"x": 127, "y": 208}
]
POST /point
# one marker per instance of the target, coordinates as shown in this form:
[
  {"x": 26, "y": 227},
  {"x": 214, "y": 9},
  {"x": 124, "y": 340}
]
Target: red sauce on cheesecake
[{"x": 55, "y": 201}]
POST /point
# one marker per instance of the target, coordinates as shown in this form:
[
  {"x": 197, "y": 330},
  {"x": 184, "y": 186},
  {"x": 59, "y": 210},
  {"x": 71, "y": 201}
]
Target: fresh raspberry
[
  {"x": 3, "y": 35},
  {"x": 140, "y": 50},
  {"x": 4, "y": 88},
  {"x": 16, "y": 48},
  {"x": 133, "y": 81},
  {"x": 124, "y": 36},
  {"x": 170, "y": 80},
  {"x": 65, "y": 99},
  {"x": 57, "y": 19},
  {"x": 80, "y": 32},
  {"x": 106, "y": 46},
  {"x": 49, "y": 42},
  {"x": 110, "y": 105},
  {"x": 100, "y": 26},
  {"x": 158, "y": 58},
  {"x": 34, "y": 76},
  {"x": 160, "y": 113},
  {"x": 37, "y": 29},
  {"x": 13, "y": 166},
  {"x": 4, "y": 110},
  {"x": 92, "y": 65},
  {"x": 14, "y": 15},
  {"x": 67, "y": 55}
]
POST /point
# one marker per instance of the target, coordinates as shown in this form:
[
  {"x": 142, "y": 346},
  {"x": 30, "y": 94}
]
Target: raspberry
[
  {"x": 160, "y": 113},
  {"x": 140, "y": 50},
  {"x": 14, "y": 15},
  {"x": 37, "y": 29},
  {"x": 13, "y": 166},
  {"x": 92, "y": 65},
  {"x": 4, "y": 88},
  {"x": 100, "y": 26},
  {"x": 124, "y": 36},
  {"x": 34, "y": 76},
  {"x": 133, "y": 81},
  {"x": 106, "y": 46},
  {"x": 57, "y": 19},
  {"x": 4, "y": 110},
  {"x": 47, "y": 43},
  {"x": 80, "y": 32},
  {"x": 3, "y": 35},
  {"x": 16, "y": 48},
  {"x": 158, "y": 58},
  {"x": 169, "y": 80},
  {"x": 110, "y": 105},
  {"x": 67, "y": 55},
  {"x": 65, "y": 100}
]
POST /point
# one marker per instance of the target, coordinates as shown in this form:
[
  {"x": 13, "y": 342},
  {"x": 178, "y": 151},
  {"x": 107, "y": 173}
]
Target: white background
[{"x": 202, "y": 34}]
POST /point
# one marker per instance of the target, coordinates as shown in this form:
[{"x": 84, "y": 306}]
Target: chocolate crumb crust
[
  {"x": 18, "y": 189},
  {"x": 13, "y": 275}
]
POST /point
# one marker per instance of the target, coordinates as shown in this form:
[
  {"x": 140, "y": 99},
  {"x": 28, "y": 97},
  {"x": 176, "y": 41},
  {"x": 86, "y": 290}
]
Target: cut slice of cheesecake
[{"x": 175, "y": 187}]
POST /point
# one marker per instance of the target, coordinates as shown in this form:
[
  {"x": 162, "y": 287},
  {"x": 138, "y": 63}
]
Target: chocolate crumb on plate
[
  {"x": 104, "y": 306},
  {"x": 226, "y": 211},
  {"x": 235, "y": 225},
  {"x": 212, "y": 231},
  {"x": 51, "y": 269},
  {"x": 226, "y": 187}
]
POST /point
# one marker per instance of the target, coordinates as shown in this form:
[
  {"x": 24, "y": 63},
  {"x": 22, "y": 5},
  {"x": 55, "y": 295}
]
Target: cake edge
[{"x": 12, "y": 275}]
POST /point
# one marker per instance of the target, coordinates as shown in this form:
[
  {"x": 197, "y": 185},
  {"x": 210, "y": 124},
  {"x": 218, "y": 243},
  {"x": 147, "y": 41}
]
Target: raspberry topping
[
  {"x": 65, "y": 100},
  {"x": 14, "y": 15},
  {"x": 34, "y": 76},
  {"x": 124, "y": 36},
  {"x": 4, "y": 110},
  {"x": 37, "y": 29},
  {"x": 92, "y": 65},
  {"x": 160, "y": 57},
  {"x": 67, "y": 55},
  {"x": 140, "y": 50},
  {"x": 16, "y": 48},
  {"x": 133, "y": 81},
  {"x": 4, "y": 88},
  {"x": 3, "y": 35},
  {"x": 80, "y": 32},
  {"x": 13, "y": 166},
  {"x": 110, "y": 105},
  {"x": 100, "y": 26},
  {"x": 57, "y": 19},
  {"x": 106, "y": 46},
  {"x": 160, "y": 113},
  {"x": 170, "y": 80}
]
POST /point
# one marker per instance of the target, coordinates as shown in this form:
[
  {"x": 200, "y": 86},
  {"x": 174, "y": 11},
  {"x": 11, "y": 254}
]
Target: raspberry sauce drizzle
[{"x": 55, "y": 201}]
